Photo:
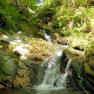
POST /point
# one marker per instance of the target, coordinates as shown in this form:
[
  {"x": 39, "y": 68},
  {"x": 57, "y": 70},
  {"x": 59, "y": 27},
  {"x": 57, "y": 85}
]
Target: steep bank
[{"x": 82, "y": 65}]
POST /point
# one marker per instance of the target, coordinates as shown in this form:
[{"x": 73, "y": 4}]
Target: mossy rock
[
  {"x": 40, "y": 49},
  {"x": 6, "y": 64},
  {"x": 88, "y": 69},
  {"x": 22, "y": 78},
  {"x": 78, "y": 66}
]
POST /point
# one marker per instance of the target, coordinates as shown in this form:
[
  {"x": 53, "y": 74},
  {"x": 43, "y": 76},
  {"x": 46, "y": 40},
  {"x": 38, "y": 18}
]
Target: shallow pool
[{"x": 39, "y": 91}]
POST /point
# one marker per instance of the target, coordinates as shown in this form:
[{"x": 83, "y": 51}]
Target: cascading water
[
  {"x": 52, "y": 72},
  {"x": 53, "y": 78},
  {"x": 63, "y": 77},
  {"x": 47, "y": 37}
]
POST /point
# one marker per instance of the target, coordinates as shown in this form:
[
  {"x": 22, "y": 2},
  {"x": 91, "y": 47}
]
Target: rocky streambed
[{"x": 21, "y": 57}]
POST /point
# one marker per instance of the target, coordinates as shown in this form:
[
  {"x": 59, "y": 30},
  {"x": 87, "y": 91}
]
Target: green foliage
[
  {"x": 66, "y": 17},
  {"x": 29, "y": 3},
  {"x": 13, "y": 16},
  {"x": 9, "y": 16},
  {"x": 26, "y": 16},
  {"x": 46, "y": 12}
]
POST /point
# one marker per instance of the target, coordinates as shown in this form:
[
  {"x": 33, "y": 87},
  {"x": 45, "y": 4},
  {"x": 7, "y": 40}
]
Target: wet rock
[
  {"x": 1, "y": 86},
  {"x": 6, "y": 64},
  {"x": 35, "y": 49},
  {"x": 40, "y": 49},
  {"x": 61, "y": 39},
  {"x": 22, "y": 78},
  {"x": 7, "y": 69},
  {"x": 16, "y": 71},
  {"x": 74, "y": 54},
  {"x": 82, "y": 67}
]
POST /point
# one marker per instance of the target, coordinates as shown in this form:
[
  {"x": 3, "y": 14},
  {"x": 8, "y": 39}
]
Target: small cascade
[
  {"x": 63, "y": 77},
  {"x": 53, "y": 78},
  {"x": 52, "y": 72},
  {"x": 47, "y": 37}
]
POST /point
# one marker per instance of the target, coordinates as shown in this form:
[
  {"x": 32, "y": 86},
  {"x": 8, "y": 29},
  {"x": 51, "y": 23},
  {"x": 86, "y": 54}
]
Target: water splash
[
  {"x": 68, "y": 66},
  {"x": 53, "y": 68},
  {"x": 47, "y": 37},
  {"x": 53, "y": 78},
  {"x": 63, "y": 78}
]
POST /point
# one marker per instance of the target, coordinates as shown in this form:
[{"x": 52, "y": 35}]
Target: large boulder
[
  {"x": 35, "y": 49},
  {"x": 82, "y": 67}
]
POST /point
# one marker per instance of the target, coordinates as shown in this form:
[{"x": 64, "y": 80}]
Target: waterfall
[
  {"x": 52, "y": 72},
  {"x": 47, "y": 37},
  {"x": 63, "y": 77},
  {"x": 53, "y": 78}
]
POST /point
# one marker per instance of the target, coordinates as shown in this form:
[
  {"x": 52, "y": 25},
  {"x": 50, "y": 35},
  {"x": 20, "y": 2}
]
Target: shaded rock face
[
  {"x": 14, "y": 73},
  {"x": 89, "y": 73},
  {"x": 82, "y": 69},
  {"x": 76, "y": 68}
]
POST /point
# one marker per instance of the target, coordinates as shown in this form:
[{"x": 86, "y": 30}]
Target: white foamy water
[
  {"x": 52, "y": 71},
  {"x": 47, "y": 37},
  {"x": 53, "y": 78},
  {"x": 63, "y": 78},
  {"x": 23, "y": 50}
]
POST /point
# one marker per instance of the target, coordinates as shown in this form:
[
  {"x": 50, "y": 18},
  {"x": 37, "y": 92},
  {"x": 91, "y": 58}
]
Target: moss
[
  {"x": 13, "y": 15},
  {"x": 77, "y": 66},
  {"x": 6, "y": 64},
  {"x": 22, "y": 78},
  {"x": 88, "y": 69},
  {"x": 40, "y": 49}
]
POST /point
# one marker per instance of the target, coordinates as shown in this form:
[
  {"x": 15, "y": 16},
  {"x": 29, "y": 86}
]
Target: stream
[
  {"x": 46, "y": 47},
  {"x": 33, "y": 91},
  {"x": 53, "y": 81}
]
